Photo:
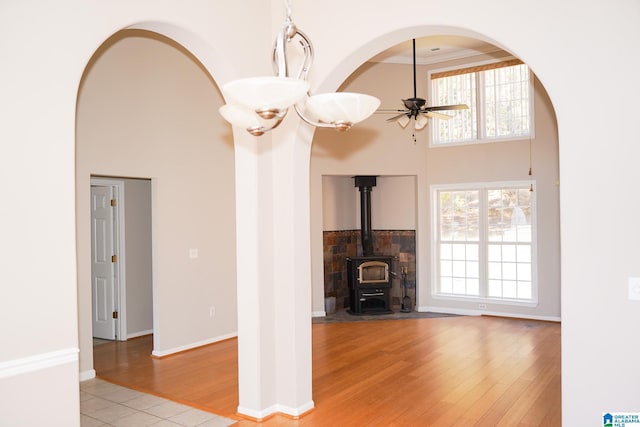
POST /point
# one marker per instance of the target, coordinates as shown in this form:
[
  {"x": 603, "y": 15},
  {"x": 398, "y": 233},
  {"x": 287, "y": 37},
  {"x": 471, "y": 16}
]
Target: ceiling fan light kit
[
  {"x": 421, "y": 122},
  {"x": 259, "y": 104}
]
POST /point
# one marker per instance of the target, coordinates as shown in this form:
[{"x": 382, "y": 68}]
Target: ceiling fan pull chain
[{"x": 413, "y": 132}]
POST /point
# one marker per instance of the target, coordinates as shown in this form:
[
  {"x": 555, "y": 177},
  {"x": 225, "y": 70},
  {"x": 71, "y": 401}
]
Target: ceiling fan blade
[
  {"x": 396, "y": 117},
  {"x": 447, "y": 107},
  {"x": 391, "y": 111},
  {"x": 437, "y": 115}
]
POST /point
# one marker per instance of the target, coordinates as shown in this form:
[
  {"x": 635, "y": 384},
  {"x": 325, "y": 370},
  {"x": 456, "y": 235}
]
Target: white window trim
[
  {"x": 435, "y": 262},
  {"x": 481, "y": 138}
]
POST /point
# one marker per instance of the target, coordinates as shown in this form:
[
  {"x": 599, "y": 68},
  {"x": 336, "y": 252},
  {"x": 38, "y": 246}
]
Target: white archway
[
  {"x": 118, "y": 105},
  {"x": 373, "y": 147}
]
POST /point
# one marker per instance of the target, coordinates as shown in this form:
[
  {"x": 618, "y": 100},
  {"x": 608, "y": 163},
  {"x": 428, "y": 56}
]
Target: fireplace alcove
[{"x": 396, "y": 247}]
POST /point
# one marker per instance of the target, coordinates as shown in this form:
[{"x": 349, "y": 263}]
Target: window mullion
[
  {"x": 438, "y": 239},
  {"x": 483, "y": 243},
  {"x": 480, "y": 106}
]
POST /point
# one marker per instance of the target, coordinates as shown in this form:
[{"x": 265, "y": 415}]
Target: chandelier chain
[{"x": 287, "y": 4}]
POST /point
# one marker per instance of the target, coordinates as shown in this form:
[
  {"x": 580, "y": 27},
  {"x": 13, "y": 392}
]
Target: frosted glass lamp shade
[
  {"x": 258, "y": 93},
  {"x": 240, "y": 116},
  {"x": 421, "y": 121},
  {"x": 341, "y": 107},
  {"x": 404, "y": 121}
]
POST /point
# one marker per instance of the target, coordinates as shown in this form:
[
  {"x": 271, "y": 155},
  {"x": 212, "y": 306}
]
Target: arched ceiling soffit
[
  {"x": 385, "y": 45},
  {"x": 214, "y": 62},
  {"x": 211, "y": 61}
]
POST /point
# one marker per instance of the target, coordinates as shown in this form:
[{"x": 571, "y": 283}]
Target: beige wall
[
  {"x": 138, "y": 241},
  {"x": 148, "y": 110},
  {"x": 338, "y": 203},
  {"x": 380, "y": 148},
  {"x": 393, "y": 203}
]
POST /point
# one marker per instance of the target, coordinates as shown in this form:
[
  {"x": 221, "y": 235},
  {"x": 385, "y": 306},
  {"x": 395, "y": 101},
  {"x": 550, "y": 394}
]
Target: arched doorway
[
  {"x": 385, "y": 149},
  {"x": 147, "y": 109}
]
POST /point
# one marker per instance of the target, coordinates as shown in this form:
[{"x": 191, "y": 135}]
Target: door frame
[{"x": 120, "y": 299}]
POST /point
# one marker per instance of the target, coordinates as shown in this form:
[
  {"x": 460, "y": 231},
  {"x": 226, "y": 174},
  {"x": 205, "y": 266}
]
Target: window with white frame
[
  {"x": 499, "y": 97},
  {"x": 484, "y": 242}
]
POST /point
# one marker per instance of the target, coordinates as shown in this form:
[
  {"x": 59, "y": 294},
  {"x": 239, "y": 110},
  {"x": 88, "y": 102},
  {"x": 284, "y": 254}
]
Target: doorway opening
[{"x": 121, "y": 259}]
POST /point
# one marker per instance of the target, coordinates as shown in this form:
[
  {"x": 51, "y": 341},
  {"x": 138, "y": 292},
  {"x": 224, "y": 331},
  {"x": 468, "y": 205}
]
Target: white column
[
  {"x": 292, "y": 274},
  {"x": 274, "y": 273},
  {"x": 253, "y": 283}
]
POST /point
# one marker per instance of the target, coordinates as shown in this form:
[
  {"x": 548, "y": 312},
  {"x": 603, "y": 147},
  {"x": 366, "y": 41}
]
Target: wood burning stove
[{"x": 369, "y": 275}]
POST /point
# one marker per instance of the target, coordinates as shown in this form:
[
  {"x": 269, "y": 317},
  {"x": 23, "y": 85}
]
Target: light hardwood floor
[{"x": 454, "y": 371}]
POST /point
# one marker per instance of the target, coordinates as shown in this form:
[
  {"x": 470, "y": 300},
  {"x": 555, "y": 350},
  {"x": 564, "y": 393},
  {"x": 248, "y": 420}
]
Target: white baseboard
[
  {"x": 277, "y": 409},
  {"x": 470, "y": 312},
  {"x": 174, "y": 350},
  {"x": 460, "y": 311},
  {"x": 319, "y": 313},
  {"x": 87, "y": 375},
  {"x": 37, "y": 362},
  {"x": 139, "y": 334}
]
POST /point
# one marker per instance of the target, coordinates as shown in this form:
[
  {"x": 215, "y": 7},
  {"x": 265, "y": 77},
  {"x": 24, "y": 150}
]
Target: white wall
[
  {"x": 147, "y": 109},
  {"x": 46, "y": 387},
  {"x": 47, "y": 47}
]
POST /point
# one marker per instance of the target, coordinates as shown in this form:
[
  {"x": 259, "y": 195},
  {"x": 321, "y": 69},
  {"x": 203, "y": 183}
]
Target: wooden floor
[{"x": 455, "y": 371}]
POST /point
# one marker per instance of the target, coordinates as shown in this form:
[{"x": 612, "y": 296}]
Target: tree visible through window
[
  {"x": 499, "y": 100},
  {"x": 484, "y": 241}
]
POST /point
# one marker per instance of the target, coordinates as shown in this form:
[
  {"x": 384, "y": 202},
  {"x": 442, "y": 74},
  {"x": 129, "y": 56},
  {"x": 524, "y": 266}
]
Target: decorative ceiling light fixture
[{"x": 259, "y": 104}]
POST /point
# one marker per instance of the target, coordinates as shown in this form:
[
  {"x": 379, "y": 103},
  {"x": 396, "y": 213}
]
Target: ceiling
[{"x": 434, "y": 49}]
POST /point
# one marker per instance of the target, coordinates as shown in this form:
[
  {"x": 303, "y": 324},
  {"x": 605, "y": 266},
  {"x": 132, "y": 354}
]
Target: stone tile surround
[{"x": 338, "y": 245}]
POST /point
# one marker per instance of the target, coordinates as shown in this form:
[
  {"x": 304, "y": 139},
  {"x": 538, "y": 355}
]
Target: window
[
  {"x": 499, "y": 100},
  {"x": 484, "y": 242}
]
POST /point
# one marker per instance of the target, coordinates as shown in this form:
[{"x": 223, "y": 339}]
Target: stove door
[{"x": 373, "y": 272}]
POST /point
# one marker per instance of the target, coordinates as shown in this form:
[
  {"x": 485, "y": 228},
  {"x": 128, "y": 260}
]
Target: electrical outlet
[
  {"x": 193, "y": 253},
  {"x": 212, "y": 311},
  {"x": 482, "y": 306},
  {"x": 634, "y": 288}
]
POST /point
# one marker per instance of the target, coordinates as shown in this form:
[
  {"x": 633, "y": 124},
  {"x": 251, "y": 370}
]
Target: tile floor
[{"x": 104, "y": 404}]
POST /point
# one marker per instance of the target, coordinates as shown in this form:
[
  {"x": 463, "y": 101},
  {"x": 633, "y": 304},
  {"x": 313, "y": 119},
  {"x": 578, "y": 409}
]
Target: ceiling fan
[{"x": 416, "y": 109}]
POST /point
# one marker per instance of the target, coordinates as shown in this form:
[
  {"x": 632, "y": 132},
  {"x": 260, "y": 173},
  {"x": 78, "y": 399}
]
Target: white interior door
[{"x": 102, "y": 264}]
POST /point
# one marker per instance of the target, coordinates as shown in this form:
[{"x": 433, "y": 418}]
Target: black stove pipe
[{"x": 365, "y": 184}]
